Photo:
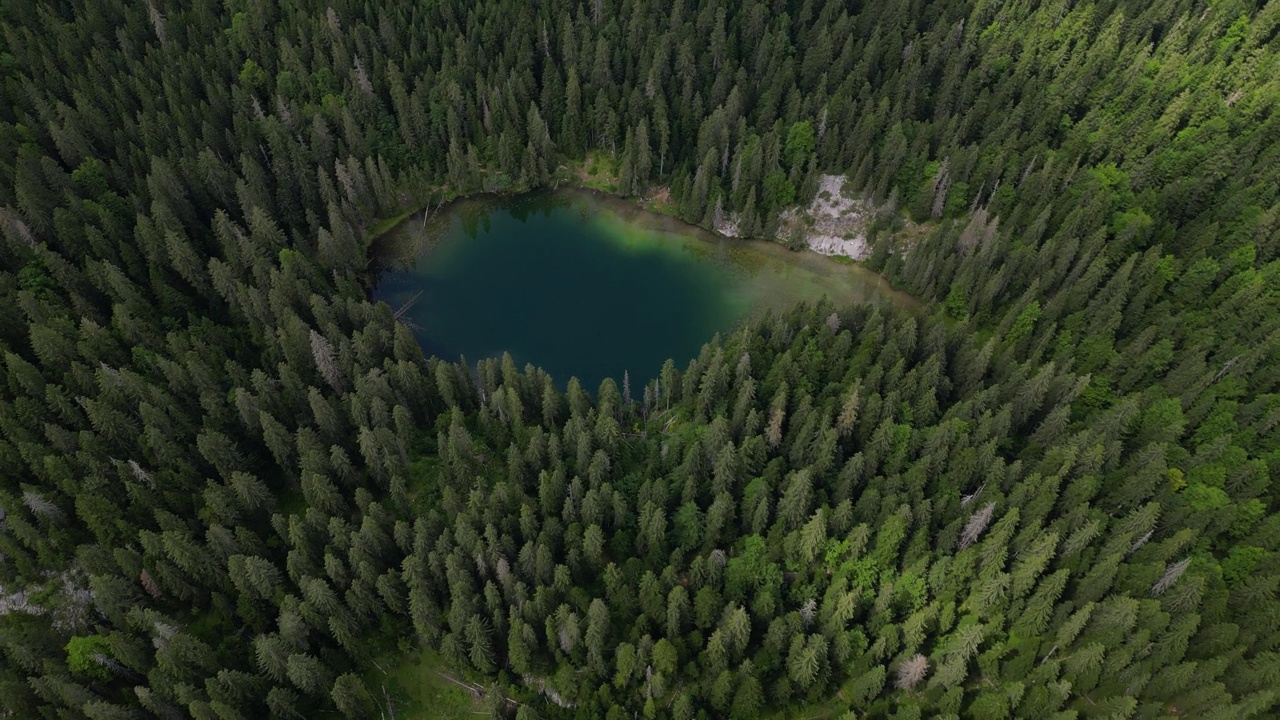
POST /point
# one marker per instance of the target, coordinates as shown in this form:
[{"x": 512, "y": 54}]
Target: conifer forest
[{"x": 234, "y": 487}]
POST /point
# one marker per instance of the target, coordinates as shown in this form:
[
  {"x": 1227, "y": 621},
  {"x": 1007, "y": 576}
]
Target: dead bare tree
[
  {"x": 977, "y": 525},
  {"x": 322, "y": 353},
  {"x": 1171, "y": 575},
  {"x": 911, "y": 672}
]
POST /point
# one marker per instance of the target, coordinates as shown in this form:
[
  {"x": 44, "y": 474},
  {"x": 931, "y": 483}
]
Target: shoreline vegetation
[
  {"x": 585, "y": 175},
  {"x": 230, "y": 483},
  {"x": 651, "y": 286},
  {"x": 832, "y": 225}
]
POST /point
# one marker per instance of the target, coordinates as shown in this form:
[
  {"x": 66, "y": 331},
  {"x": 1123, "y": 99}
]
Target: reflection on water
[{"x": 589, "y": 285}]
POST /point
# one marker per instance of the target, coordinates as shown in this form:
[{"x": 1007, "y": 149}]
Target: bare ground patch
[{"x": 833, "y": 224}]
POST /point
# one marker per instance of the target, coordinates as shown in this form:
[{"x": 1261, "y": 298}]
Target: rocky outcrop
[{"x": 833, "y": 224}]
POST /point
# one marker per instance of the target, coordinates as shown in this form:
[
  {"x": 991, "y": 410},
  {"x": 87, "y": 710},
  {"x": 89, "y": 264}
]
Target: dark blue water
[{"x": 582, "y": 285}]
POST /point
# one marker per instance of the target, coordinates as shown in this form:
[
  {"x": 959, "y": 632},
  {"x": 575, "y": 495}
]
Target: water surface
[{"x": 586, "y": 285}]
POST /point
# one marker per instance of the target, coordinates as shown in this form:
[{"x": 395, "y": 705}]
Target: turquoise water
[{"x": 588, "y": 286}]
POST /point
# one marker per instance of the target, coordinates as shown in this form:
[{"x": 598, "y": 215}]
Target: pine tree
[
  {"x": 1095, "y": 350},
  {"x": 352, "y": 698}
]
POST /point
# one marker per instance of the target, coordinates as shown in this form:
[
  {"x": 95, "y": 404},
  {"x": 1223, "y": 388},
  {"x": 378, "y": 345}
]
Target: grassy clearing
[
  {"x": 833, "y": 709},
  {"x": 383, "y": 226},
  {"x": 415, "y": 683},
  {"x": 662, "y": 209},
  {"x": 598, "y": 171}
]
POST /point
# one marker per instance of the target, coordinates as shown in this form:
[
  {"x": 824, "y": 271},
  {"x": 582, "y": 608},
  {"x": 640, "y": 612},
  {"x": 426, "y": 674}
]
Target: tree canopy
[{"x": 228, "y": 480}]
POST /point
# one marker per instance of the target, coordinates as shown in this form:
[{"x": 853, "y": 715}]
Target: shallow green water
[{"x": 585, "y": 285}]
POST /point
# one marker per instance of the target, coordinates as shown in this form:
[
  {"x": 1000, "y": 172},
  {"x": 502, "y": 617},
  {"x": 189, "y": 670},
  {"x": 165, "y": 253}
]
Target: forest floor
[
  {"x": 658, "y": 200},
  {"x": 421, "y": 685},
  {"x": 599, "y": 171}
]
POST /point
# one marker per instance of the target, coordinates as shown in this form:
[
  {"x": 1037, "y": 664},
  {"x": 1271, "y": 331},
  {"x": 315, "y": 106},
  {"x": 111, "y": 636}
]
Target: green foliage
[
  {"x": 778, "y": 190},
  {"x": 750, "y": 570},
  {"x": 34, "y": 278},
  {"x": 800, "y": 143},
  {"x": 956, "y": 304},
  {"x": 419, "y": 684},
  {"x": 1240, "y": 564},
  {"x": 87, "y": 654},
  {"x": 229, "y": 480},
  {"x": 252, "y": 75},
  {"x": 1024, "y": 323}
]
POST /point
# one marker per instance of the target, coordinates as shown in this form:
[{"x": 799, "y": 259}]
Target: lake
[{"x": 587, "y": 285}]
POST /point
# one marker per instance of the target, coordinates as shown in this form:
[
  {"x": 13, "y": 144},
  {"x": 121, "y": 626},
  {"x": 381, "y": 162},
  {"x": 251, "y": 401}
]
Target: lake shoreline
[
  {"x": 383, "y": 258},
  {"x": 584, "y": 284},
  {"x": 577, "y": 181}
]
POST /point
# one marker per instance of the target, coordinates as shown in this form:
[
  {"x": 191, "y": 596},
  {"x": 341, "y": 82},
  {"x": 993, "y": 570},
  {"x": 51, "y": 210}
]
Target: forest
[{"x": 230, "y": 483}]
